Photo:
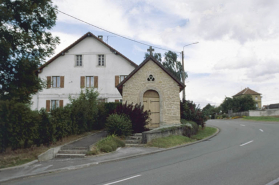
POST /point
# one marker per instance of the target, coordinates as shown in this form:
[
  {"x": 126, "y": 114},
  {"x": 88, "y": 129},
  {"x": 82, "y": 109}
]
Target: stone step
[
  {"x": 132, "y": 141},
  {"x": 134, "y": 145},
  {"x": 73, "y": 148},
  {"x": 137, "y": 134},
  {"x": 70, "y": 155},
  {"x": 72, "y": 151},
  {"x": 134, "y": 137}
]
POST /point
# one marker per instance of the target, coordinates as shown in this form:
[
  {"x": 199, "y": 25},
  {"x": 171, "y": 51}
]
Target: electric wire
[{"x": 113, "y": 32}]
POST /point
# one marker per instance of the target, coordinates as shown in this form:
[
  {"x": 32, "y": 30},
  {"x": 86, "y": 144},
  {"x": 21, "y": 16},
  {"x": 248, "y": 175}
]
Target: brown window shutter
[
  {"x": 61, "y": 81},
  {"x": 60, "y": 103},
  {"x": 116, "y": 101},
  {"x": 116, "y": 80},
  {"x": 48, "y": 82},
  {"x": 48, "y": 105},
  {"x": 96, "y": 81},
  {"x": 82, "y": 79}
]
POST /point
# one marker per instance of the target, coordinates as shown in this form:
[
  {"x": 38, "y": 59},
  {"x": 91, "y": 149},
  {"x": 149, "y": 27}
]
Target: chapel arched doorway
[{"x": 151, "y": 101}]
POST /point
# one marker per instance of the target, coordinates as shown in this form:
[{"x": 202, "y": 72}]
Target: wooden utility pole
[{"x": 183, "y": 78}]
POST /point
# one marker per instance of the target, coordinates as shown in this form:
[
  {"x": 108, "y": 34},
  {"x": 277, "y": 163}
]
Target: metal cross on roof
[{"x": 150, "y": 50}]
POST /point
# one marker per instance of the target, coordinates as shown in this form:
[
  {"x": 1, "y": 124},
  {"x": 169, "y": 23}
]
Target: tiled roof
[
  {"x": 247, "y": 91},
  {"x": 89, "y": 34}
]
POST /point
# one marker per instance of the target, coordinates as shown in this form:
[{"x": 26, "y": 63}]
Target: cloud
[{"x": 238, "y": 40}]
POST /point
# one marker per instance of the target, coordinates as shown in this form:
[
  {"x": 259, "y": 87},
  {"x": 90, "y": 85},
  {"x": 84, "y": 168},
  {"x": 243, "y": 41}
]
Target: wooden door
[{"x": 151, "y": 101}]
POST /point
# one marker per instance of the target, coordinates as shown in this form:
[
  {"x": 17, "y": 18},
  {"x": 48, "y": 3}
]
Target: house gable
[{"x": 89, "y": 34}]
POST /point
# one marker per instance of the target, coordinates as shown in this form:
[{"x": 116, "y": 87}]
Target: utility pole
[
  {"x": 182, "y": 52},
  {"x": 183, "y": 94}
]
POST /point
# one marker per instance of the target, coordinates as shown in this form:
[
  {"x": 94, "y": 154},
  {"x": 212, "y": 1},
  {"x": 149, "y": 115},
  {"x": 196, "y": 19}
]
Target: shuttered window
[
  {"x": 89, "y": 81},
  {"x": 55, "y": 82},
  {"x": 54, "y": 104}
]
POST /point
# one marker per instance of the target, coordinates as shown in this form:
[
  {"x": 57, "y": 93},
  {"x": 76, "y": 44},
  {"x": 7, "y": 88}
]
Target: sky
[{"x": 238, "y": 40}]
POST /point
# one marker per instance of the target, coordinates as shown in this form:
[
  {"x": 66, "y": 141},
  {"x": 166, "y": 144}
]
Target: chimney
[{"x": 100, "y": 37}]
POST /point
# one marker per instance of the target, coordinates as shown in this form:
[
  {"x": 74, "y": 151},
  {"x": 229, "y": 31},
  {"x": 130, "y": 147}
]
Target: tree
[
  {"x": 171, "y": 64},
  {"x": 24, "y": 43},
  {"x": 238, "y": 104}
]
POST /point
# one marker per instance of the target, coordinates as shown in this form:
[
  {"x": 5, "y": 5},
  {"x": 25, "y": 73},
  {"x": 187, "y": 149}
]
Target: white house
[{"x": 89, "y": 62}]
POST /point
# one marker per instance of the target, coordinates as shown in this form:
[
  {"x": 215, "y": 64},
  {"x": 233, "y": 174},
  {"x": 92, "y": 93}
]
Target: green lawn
[
  {"x": 175, "y": 140},
  {"x": 262, "y": 118}
]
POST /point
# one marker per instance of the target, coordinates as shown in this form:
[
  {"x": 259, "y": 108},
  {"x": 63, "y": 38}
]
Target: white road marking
[
  {"x": 273, "y": 182},
  {"x": 261, "y": 130},
  {"x": 246, "y": 143},
  {"x": 242, "y": 125},
  {"x": 122, "y": 180}
]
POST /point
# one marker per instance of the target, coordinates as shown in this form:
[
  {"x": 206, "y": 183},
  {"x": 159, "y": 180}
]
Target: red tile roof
[
  {"x": 247, "y": 91},
  {"x": 89, "y": 34}
]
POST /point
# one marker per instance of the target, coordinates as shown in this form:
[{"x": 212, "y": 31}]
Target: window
[
  {"x": 122, "y": 77},
  {"x": 54, "y": 104},
  {"x": 256, "y": 105},
  {"x": 150, "y": 78},
  {"x": 56, "y": 81},
  {"x": 256, "y": 97},
  {"x": 101, "y": 60},
  {"x": 78, "y": 60},
  {"x": 90, "y": 81}
]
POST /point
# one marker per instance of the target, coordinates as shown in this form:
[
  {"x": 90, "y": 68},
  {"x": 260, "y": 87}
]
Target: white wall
[
  {"x": 268, "y": 112},
  {"x": 89, "y": 48}
]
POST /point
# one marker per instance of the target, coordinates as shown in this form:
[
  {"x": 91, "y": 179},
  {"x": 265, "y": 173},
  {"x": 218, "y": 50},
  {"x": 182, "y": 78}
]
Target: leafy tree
[
  {"x": 170, "y": 62},
  {"x": 238, "y": 104},
  {"x": 210, "y": 110},
  {"x": 24, "y": 43}
]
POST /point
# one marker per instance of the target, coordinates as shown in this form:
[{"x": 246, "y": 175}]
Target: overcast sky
[{"x": 238, "y": 40}]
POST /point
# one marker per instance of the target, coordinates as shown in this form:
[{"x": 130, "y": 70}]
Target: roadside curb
[
  {"x": 111, "y": 160},
  {"x": 20, "y": 166}
]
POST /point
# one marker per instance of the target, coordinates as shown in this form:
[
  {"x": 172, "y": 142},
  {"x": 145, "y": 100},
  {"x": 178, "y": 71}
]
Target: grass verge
[
  {"x": 175, "y": 140},
  {"x": 262, "y": 118},
  {"x": 106, "y": 145},
  {"x": 11, "y": 158}
]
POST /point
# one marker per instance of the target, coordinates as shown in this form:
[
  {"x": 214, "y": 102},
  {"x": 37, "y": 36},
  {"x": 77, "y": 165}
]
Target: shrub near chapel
[{"x": 137, "y": 115}]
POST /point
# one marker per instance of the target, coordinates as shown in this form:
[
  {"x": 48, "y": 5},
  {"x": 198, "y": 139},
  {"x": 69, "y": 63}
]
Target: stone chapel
[{"x": 152, "y": 85}]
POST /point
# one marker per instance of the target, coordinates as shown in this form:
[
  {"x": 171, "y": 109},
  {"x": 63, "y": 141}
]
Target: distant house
[{"x": 255, "y": 95}]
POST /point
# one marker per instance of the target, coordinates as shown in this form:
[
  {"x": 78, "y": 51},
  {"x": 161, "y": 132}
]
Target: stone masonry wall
[{"x": 167, "y": 88}]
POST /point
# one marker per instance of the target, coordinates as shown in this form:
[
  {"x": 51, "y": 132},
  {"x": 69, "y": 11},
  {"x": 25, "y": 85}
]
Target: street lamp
[{"x": 184, "y": 95}]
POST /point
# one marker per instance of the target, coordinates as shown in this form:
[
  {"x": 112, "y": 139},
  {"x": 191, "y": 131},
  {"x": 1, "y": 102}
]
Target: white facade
[{"x": 65, "y": 65}]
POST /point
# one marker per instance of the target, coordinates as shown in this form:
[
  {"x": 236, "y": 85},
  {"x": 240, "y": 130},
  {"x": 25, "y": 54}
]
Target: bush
[
  {"x": 119, "y": 125},
  {"x": 61, "y": 119},
  {"x": 137, "y": 115},
  {"x": 190, "y": 111},
  {"x": 46, "y": 129},
  {"x": 84, "y": 111},
  {"x": 189, "y": 128},
  {"x": 104, "y": 110},
  {"x": 18, "y": 126},
  {"x": 109, "y": 144}
]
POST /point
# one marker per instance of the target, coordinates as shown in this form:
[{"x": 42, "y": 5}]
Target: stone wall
[{"x": 166, "y": 87}]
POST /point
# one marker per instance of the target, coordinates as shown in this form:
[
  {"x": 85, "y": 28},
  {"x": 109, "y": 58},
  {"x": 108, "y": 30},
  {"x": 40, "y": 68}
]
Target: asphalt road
[{"x": 244, "y": 152}]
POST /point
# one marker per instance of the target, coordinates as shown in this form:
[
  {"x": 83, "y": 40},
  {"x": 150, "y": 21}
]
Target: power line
[{"x": 112, "y": 32}]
